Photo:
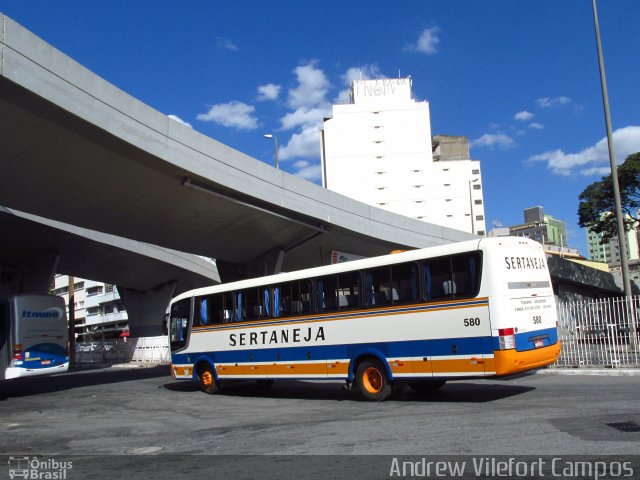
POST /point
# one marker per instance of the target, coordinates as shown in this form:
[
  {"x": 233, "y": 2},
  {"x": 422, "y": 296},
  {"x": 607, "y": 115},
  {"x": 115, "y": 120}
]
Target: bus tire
[
  {"x": 427, "y": 386},
  {"x": 208, "y": 382},
  {"x": 373, "y": 381}
]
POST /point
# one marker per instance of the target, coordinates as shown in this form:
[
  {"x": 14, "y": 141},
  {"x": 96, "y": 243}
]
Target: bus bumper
[
  {"x": 19, "y": 372},
  {"x": 512, "y": 361}
]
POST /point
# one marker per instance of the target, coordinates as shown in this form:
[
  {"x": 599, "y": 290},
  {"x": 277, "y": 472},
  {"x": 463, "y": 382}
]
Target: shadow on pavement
[
  {"x": 452, "y": 392},
  {"x": 21, "y": 387}
]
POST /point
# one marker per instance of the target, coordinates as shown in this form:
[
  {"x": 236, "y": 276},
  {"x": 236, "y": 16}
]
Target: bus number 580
[{"x": 471, "y": 322}]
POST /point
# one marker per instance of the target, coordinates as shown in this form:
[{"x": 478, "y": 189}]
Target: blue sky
[{"x": 518, "y": 77}]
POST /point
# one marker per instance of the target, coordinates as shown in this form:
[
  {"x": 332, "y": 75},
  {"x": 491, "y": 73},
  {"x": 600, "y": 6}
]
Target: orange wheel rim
[
  {"x": 372, "y": 380},
  {"x": 207, "y": 379}
]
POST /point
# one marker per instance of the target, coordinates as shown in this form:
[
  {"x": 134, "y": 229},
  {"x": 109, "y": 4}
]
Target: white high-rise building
[{"x": 378, "y": 149}]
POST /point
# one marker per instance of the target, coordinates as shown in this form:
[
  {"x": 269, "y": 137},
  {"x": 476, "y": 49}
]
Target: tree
[{"x": 597, "y": 207}]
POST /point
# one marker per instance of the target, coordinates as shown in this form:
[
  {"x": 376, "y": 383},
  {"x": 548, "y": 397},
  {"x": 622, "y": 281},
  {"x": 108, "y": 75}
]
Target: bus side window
[
  {"x": 378, "y": 287},
  {"x": 226, "y": 311},
  {"x": 465, "y": 274},
  {"x": 437, "y": 279},
  {"x": 204, "y": 311},
  {"x": 405, "y": 282},
  {"x": 327, "y": 293},
  {"x": 254, "y": 306},
  {"x": 276, "y": 302},
  {"x": 349, "y": 294},
  {"x": 240, "y": 307}
]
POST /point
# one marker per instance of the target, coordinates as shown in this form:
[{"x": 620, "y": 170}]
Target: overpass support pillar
[
  {"x": 33, "y": 277},
  {"x": 268, "y": 264},
  {"x": 146, "y": 310}
]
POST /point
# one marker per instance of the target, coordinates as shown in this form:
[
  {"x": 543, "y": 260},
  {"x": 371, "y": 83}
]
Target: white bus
[
  {"x": 479, "y": 308},
  {"x": 33, "y": 336}
]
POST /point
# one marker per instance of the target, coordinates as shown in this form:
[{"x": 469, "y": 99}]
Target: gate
[{"x": 599, "y": 333}]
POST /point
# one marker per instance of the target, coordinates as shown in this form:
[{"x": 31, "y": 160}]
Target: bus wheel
[
  {"x": 426, "y": 386},
  {"x": 208, "y": 383},
  {"x": 372, "y": 381}
]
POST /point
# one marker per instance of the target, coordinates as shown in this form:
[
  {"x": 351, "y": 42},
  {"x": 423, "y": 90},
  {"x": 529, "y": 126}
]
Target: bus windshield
[{"x": 179, "y": 324}]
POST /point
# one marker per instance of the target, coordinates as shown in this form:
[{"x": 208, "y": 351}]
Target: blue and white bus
[
  {"x": 479, "y": 308},
  {"x": 33, "y": 336}
]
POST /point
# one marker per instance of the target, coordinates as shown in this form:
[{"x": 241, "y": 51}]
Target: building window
[
  {"x": 476, "y": 186},
  {"x": 94, "y": 291},
  {"x": 479, "y": 217},
  {"x": 475, "y": 171},
  {"x": 477, "y": 202},
  {"x": 480, "y": 232}
]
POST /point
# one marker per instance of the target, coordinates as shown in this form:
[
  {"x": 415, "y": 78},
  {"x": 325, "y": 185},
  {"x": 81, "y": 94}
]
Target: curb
[{"x": 605, "y": 372}]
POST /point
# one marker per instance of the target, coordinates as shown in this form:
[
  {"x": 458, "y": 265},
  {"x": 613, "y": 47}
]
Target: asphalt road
[{"x": 133, "y": 418}]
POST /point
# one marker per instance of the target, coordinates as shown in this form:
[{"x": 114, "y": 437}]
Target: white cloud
[
  {"x": 311, "y": 173},
  {"x": 494, "y": 140},
  {"x": 523, "y": 116},
  {"x": 304, "y": 144},
  {"x": 547, "y": 102},
  {"x": 226, "y": 44},
  {"x": 536, "y": 126},
  {"x": 304, "y": 117},
  {"x": 233, "y": 114},
  {"x": 179, "y": 120},
  {"x": 427, "y": 42},
  {"x": 312, "y": 87},
  {"x": 269, "y": 91},
  {"x": 592, "y": 160}
]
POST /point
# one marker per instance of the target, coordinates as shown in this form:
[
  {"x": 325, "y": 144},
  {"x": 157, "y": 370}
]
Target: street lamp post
[
  {"x": 622, "y": 242},
  {"x": 275, "y": 139}
]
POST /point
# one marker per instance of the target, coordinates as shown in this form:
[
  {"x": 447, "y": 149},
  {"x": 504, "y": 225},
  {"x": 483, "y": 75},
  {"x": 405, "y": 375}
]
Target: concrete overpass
[
  {"x": 33, "y": 249},
  {"x": 77, "y": 150}
]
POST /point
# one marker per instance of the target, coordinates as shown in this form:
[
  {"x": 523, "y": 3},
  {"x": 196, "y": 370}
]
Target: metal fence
[
  {"x": 599, "y": 333},
  {"x": 143, "y": 350}
]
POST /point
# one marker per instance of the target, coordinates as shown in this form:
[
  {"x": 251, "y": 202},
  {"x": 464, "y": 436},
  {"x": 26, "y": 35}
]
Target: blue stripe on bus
[
  {"x": 526, "y": 340},
  {"x": 343, "y": 315},
  {"x": 435, "y": 348}
]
